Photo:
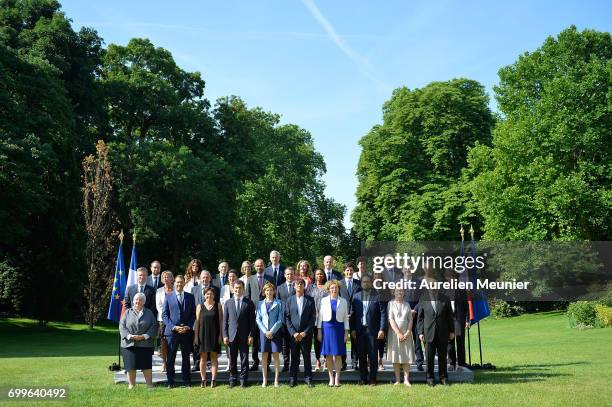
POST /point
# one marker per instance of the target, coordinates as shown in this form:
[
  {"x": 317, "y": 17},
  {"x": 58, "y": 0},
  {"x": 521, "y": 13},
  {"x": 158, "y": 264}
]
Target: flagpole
[
  {"x": 117, "y": 367},
  {"x": 462, "y": 233}
]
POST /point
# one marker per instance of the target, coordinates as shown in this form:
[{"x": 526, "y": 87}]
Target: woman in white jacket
[{"x": 333, "y": 325}]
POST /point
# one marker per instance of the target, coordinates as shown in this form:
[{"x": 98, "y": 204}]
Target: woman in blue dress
[
  {"x": 333, "y": 325},
  {"x": 269, "y": 318}
]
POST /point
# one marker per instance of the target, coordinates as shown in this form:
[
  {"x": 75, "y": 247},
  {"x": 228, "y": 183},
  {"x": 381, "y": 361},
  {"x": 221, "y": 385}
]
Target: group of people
[{"x": 275, "y": 310}]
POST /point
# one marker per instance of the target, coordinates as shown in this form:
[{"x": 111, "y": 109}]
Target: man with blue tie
[
  {"x": 368, "y": 325},
  {"x": 283, "y": 293},
  {"x": 154, "y": 280},
  {"x": 348, "y": 288},
  {"x": 300, "y": 318},
  {"x": 221, "y": 278},
  {"x": 276, "y": 271},
  {"x": 238, "y": 330},
  {"x": 179, "y": 316},
  {"x": 330, "y": 273}
]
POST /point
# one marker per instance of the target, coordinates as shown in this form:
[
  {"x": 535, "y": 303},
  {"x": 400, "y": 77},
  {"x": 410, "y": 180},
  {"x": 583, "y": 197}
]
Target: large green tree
[
  {"x": 548, "y": 174},
  {"x": 411, "y": 183},
  {"x": 47, "y": 76}
]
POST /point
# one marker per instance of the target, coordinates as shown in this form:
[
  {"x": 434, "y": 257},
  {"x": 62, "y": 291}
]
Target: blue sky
[{"x": 328, "y": 66}]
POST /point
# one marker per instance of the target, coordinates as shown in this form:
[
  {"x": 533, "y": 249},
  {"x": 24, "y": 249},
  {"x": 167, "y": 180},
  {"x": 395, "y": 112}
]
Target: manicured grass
[{"x": 539, "y": 359}]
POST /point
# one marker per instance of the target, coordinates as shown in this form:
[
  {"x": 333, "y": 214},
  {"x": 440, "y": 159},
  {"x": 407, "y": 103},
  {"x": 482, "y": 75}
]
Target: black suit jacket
[
  {"x": 344, "y": 292},
  {"x": 281, "y": 274},
  {"x": 149, "y": 293},
  {"x": 242, "y": 326},
  {"x": 430, "y": 322},
  {"x": 376, "y": 314},
  {"x": 196, "y": 290},
  {"x": 336, "y": 275},
  {"x": 293, "y": 321}
]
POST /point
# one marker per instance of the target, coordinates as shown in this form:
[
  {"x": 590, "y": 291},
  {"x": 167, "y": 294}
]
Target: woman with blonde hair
[
  {"x": 269, "y": 317},
  {"x": 245, "y": 269},
  {"x": 333, "y": 324}
]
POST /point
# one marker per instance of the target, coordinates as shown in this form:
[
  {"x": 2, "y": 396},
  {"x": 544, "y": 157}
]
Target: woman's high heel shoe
[
  {"x": 213, "y": 383},
  {"x": 203, "y": 384}
]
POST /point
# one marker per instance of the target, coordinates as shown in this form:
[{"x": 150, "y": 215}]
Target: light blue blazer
[{"x": 274, "y": 320}]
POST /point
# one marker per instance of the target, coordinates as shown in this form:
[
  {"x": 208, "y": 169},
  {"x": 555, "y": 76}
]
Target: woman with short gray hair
[{"x": 138, "y": 328}]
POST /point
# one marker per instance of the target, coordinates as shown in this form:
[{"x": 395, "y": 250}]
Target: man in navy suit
[
  {"x": 300, "y": 318},
  {"x": 368, "y": 325},
  {"x": 221, "y": 278},
  {"x": 283, "y": 293},
  {"x": 330, "y": 273},
  {"x": 154, "y": 279},
  {"x": 238, "y": 331},
  {"x": 348, "y": 288},
  {"x": 178, "y": 315},
  {"x": 275, "y": 271},
  {"x": 141, "y": 286}
]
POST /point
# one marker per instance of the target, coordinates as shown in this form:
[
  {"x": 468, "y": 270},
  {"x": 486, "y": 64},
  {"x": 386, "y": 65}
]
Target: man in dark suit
[
  {"x": 154, "y": 280},
  {"x": 238, "y": 331},
  {"x": 179, "y": 316},
  {"x": 348, "y": 288},
  {"x": 368, "y": 325},
  {"x": 330, "y": 273},
  {"x": 283, "y": 293},
  {"x": 221, "y": 278},
  {"x": 458, "y": 299},
  {"x": 141, "y": 286},
  {"x": 254, "y": 292},
  {"x": 436, "y": 327},
  {"x": 300, "y": 319},
  {"x": 275, "y": 270}
]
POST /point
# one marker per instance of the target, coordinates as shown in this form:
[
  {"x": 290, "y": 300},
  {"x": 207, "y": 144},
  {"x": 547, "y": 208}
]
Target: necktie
[
  {"x": 179, "y": 297},
  {"x": 328, "y": 275},
  {"x": 237, "y": 307},
  {"x": 350, "y": 287},
  {"x": 260, "y": 282},
  {"x": 275, "y": 274},
  {"x": 139, "y": 288},
  {"x": 290, "y": 288}
]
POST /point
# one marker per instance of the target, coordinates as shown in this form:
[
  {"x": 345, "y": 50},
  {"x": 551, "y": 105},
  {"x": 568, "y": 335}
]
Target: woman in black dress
[{"x": 209, "y": 317}]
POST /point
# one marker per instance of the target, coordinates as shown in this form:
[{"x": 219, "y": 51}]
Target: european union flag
[{"x": 118, "y": 292}]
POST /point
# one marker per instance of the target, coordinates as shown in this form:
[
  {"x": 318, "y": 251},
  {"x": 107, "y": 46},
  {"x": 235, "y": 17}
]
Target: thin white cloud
[{"x": 362, "y": 62}]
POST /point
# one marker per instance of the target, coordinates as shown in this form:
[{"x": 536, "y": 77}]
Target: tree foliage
[{"x": 411, "y": 166}]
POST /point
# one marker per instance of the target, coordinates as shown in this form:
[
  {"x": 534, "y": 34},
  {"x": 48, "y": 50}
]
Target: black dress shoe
[
  {"x": 362, "y": 382},
  {"x": 443, "y": 382},
  {"x": 231, "y": 384},
  {"x": 243, "y": 384},
  {"x": 430, "y": 383},
  {"x": 170, "y": 385},
  {"x": 373, "y": 383},
  {"x": 292, "y": 384},
  {"x": 420, "y": 368}
]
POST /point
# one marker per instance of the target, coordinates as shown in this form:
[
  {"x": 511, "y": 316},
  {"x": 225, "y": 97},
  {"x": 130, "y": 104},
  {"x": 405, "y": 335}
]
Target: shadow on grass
[
  {"x": 524, "y": 373},
  {"x": 24, "y": 339}
]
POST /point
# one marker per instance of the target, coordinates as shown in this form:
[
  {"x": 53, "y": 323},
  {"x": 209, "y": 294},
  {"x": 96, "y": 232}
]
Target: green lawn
[{"x": 540, "y": 361}]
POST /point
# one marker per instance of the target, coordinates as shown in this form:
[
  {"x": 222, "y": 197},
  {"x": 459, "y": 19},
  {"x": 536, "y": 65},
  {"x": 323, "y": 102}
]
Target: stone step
[{"x": 384, "y": 376}]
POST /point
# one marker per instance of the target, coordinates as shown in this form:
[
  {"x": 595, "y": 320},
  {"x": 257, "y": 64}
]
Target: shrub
[
  {"x": 503, "y": 309},
  {"x": 604, "y": 314},
  {"x": 583, "y": 314}
]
